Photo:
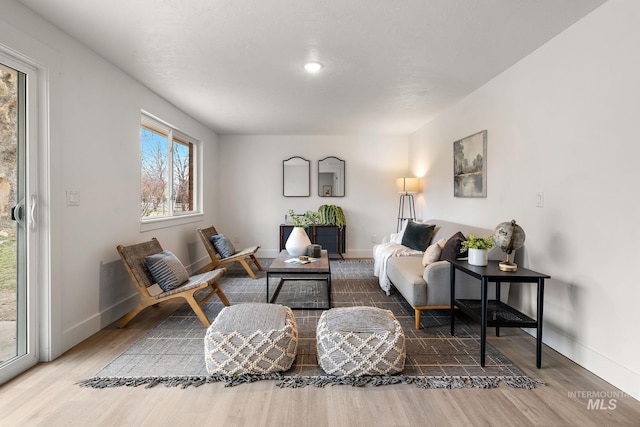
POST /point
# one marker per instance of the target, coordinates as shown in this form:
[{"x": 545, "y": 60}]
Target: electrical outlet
[
  {"x": 236, "y": 239},
  {"x": 374, "y": 239},
  {"x": 73, "y": 198}
]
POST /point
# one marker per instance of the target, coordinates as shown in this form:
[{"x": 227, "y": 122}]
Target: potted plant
[
  {"x": 296, "y": 244},
  {"x": 331, "y": 215},
  {"x": 478, "y": 249}
]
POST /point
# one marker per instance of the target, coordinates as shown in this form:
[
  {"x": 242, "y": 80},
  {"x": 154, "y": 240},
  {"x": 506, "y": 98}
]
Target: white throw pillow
[
  {"x": 397, "y": 237},
  {"x": 432, "y": 254}
]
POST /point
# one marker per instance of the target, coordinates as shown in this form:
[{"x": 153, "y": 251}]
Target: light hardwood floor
[{"x": 47, "y": 395}]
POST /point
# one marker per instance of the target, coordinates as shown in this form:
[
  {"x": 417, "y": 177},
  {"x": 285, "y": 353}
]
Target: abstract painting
[{"x": 470, "y": 166}]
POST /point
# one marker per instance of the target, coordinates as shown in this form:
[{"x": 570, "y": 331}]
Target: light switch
[
  {"x": 73, "y": 198},
  {"x": 539, "y": 200}
]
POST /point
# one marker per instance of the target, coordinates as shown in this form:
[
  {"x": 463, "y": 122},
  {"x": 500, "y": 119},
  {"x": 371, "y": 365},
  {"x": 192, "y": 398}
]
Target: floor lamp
[{"x": 407, "y": 187}]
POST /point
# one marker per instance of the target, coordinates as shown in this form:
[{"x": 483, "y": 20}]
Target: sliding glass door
[{"x": 18, "y": 227}]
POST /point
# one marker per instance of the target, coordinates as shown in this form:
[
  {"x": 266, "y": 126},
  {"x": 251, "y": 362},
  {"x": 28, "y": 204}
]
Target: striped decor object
[
  {"x": 167, "y": 270},
  {"x": 251, "y": 339},
  {"x": 357, "y": 341}
]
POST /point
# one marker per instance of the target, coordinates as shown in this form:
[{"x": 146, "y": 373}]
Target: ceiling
[{"x": 237, "y": 65}]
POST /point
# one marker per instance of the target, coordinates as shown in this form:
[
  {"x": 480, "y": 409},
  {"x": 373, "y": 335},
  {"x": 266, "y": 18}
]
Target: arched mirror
[
  {"x": 296, "y": 177},
  {"x": 331, "y": 177}
]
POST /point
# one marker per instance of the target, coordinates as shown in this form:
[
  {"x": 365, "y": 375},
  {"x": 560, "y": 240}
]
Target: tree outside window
[{"x": 167, "y": 172}]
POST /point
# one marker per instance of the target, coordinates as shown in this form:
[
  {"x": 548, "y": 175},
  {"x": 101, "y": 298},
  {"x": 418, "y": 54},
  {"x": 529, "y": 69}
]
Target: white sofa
[{"x": 429, "y": 287}]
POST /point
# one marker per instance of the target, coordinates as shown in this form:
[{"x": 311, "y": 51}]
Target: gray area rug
[{"x": 173, "y": 352}]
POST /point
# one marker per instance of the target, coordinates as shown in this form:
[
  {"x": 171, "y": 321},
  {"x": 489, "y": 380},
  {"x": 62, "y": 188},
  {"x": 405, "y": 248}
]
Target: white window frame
[{"x": 173, "y": 218}]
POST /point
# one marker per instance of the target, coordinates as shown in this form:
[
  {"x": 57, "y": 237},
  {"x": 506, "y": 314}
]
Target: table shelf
[{"x": 499, "y": 314}]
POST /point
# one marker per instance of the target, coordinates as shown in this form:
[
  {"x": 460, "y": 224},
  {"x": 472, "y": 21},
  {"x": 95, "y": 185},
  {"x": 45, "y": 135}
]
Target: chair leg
[
  {"x": 255, "y": 261},
  {"x": 247, "y": 267},
  {"x": 418, "y": 312},
  {"x": 221, "y": 294},
  {"x": 129, "y": 317},
  {"x": 198, "y": 310}
]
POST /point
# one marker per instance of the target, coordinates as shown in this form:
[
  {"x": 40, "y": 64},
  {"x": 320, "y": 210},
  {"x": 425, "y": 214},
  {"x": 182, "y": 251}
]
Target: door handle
[
  {"x": 32, "y": 212},
  {"x": 17, "y": 212}
]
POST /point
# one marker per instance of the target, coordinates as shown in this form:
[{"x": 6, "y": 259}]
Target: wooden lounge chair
[
  {"x": 133, "y": 258},
  {"x": 217, "y": 261}
]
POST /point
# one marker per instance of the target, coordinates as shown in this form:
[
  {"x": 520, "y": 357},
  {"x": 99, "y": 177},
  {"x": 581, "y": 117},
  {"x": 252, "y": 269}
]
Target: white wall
[
  {"x": 563, "y": 121},
  {"x": 94, "y": 144},
  {"x": 250, "y": 185}
]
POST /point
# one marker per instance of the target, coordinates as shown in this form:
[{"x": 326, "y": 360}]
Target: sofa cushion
[
  {"x": 405, "y": 272},
  {"x": 451, "y": 249},
  {"x": 417, "y": 235},
  {"x": 433, "y": 252}
]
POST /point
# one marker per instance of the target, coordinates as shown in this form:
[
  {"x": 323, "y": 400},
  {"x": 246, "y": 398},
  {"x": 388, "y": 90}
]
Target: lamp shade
[{"x": 407, "y": 185}]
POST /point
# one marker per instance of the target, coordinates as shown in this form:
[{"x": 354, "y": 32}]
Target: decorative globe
[{"x": 509, "y": 237}]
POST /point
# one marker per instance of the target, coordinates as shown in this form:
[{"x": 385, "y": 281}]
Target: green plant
[
  {"x": 300, "y": 220},
  {"x": 477, "y": 243},
  {"x": 313, "y": 217},
  {"x": 332, "y": 215},
  {"x": 325, "y": 215}
]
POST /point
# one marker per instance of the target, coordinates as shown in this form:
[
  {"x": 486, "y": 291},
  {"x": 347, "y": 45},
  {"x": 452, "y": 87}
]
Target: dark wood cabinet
[{"x": 330, "y": 237}]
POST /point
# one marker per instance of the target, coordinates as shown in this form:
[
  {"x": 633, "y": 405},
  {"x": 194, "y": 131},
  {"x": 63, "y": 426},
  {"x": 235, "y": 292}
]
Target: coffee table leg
[
  {"x": 453, "y": 293},
  {"x": 483, "y": 321},
  {"x": 267, "y": 286},
  {"x": 497, "y": 302},
  {"x": 539, "y": 329},
  {"x": 281, "y": 281}
]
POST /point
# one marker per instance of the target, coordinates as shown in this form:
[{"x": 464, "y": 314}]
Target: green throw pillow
[{"x": 417, "y": 235}]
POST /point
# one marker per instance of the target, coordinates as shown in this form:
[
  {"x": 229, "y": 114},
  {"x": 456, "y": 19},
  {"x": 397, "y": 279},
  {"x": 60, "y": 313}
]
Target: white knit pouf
[
  {"x": 356, "y": 341},
  {"x": 253, "y": 338}
]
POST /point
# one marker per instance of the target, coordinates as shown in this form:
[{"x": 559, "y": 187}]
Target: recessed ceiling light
[{"x": 313, "y": 67}]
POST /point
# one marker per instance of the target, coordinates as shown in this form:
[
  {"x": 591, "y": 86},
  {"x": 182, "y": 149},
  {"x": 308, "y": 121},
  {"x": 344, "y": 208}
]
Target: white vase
[
  {"x": 478, "y": 257},
  {"x": 297, "y": 242}
]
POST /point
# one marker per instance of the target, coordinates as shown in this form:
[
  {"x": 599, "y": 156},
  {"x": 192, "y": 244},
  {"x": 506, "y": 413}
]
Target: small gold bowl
[{"x": 303, "y": 258}]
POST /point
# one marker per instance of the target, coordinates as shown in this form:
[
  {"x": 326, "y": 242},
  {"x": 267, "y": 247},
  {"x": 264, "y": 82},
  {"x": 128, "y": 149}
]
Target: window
[{"x": 168, "y": 184}]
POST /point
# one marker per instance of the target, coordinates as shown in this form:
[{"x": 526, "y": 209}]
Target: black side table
[{"x": 496, "y": 313}]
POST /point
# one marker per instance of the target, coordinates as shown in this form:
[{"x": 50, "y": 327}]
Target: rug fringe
[{"x": 424, "y": 382}]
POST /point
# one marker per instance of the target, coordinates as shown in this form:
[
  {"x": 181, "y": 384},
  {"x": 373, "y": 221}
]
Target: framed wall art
[{"x": 470, "y": 166}]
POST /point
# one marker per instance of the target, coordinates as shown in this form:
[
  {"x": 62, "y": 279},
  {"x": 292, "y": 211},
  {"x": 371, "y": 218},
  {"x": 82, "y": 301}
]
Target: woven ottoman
[
  {"x": 253, "y": 338},
  {"x": 357, "y": 341}
]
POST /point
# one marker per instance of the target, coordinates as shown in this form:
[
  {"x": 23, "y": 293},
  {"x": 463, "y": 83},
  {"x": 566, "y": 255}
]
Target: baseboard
[
  {"x": 609, "y": 370},
  {"x": 83, "y": 330},
  {"x": 79, "y": 332}
]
